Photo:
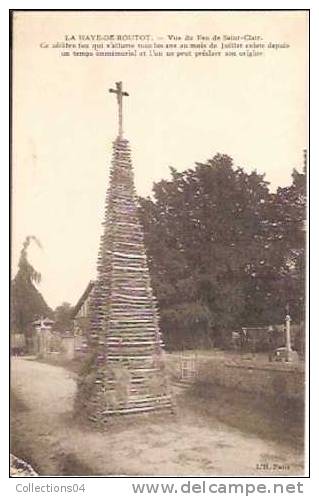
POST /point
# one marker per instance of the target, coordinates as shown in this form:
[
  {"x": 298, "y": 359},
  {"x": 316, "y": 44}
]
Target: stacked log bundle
[{"x": 127, "y": 372}]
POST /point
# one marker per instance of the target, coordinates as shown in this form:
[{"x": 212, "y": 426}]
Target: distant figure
[
  {"x": 243, "y": 340},
  {"x": 271, "y": 343}
]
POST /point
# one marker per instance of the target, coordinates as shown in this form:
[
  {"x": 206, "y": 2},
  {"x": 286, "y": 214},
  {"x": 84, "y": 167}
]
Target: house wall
[
  {"x": 81, "y": 319},
  {"x": 68, "y": 346}
]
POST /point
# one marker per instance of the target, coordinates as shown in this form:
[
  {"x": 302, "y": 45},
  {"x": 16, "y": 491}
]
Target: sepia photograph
[{"x": 158, "y": 302}]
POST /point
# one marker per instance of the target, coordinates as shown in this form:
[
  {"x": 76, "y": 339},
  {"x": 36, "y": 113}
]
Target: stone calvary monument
[{"x": 126, "y": 371}]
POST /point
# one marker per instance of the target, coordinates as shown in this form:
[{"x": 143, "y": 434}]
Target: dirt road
[{"x": 45, "y": 433}]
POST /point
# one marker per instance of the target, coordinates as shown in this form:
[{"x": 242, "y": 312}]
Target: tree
[
  {"x": 220, "y": 250},
  {"x": 63, "y": 317},
  {"x": 289, "y": 219},
  {"x": 27, "y": 303}
]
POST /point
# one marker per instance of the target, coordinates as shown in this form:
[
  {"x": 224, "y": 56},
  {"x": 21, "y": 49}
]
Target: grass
[{"x": 277, "y": 419}]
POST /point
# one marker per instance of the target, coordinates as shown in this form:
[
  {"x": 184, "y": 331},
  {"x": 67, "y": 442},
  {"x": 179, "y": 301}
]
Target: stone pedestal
[{"x": 292, "y": 356}]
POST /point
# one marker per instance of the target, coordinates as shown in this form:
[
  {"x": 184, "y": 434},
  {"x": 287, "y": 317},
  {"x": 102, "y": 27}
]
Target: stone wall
[
  {"x": 282, "y": 380},
  {"x": 248, "y": 374}
]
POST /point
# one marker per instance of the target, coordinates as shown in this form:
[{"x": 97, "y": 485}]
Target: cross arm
[{"x": 111, "y": 90}]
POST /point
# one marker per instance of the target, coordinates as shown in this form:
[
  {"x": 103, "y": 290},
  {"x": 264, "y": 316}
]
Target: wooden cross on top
[{"x": 120, "y": 94}]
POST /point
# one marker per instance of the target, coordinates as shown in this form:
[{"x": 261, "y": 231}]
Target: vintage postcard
[{"x": 158, "y": 241}]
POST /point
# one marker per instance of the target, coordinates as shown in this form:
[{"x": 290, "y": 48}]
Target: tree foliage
[
  {"x": 27, "y": 303},
  {"x": 224, "y": 251},
  {"x": 63, "y": 317}
]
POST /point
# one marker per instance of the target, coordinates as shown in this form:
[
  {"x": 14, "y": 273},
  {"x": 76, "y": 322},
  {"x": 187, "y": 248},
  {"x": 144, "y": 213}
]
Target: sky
[{"x": 180, "y": 111}]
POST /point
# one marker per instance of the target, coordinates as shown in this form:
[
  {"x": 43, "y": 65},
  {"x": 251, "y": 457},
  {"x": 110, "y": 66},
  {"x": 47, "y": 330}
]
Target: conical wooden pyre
[{"x": 127, "y": 372}]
